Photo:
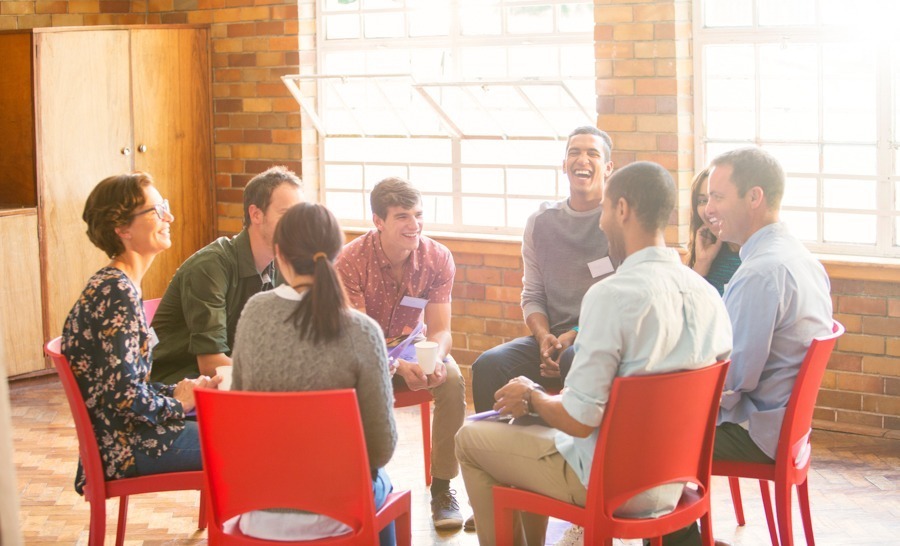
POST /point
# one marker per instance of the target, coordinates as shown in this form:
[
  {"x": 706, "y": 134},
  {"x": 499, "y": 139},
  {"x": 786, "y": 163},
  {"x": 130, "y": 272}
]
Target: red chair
[
  {"x": 792, "y": 456},
  {"x": 150, "y": 307},
  {"x": 403, "y": 397},
  {"x": 657, "y": 429},
  {"x": 300, "y": 450},
  {"x": 97, "y": 490}
]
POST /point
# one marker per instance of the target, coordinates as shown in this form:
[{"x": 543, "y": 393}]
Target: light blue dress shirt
[
  {"x": 653, "y": 316},
  {"x": 778, "y": 301}
]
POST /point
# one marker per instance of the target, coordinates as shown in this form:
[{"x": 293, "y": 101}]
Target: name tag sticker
[
  {"x": 416, "y": 303},
  {"x": 152, "y": 339},
  {"x": 600, "y": 267}
]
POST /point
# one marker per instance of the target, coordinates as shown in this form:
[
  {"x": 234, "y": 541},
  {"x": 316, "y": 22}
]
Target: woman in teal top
[{"x": 707, "y": 255}]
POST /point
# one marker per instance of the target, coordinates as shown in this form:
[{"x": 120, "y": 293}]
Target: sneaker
[
  {"x": 574, "y": 536},
  {"x": 445, "y": 510},
  {"x": 470, "y": 523}
]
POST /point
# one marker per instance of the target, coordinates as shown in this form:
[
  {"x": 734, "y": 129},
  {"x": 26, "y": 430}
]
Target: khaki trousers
[{"x": 496, "y": 453}]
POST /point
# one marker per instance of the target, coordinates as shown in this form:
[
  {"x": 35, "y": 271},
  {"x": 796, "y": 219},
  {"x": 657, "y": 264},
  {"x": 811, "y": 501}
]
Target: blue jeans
[
  {"x": 521, "y": 356},
  {"x": 381, "y": 486},
  {"x": 183, "y": 455}
]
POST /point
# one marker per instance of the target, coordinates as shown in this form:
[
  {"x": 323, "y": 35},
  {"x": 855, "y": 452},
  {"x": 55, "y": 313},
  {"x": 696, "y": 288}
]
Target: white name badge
[
  {"x": 416, "y": 303},
  {"x": 153, "y": 339},
  {"x": 600, "y": 267}
]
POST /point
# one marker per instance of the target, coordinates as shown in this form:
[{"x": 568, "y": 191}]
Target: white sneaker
[{"x": 574, "y": 536}]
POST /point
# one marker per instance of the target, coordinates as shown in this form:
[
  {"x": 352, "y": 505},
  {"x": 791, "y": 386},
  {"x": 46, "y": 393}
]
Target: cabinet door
[
  {"x": 21, "y": 330},
  {"x": 171, "y": 98},
  {"x": 83, "y": 126}
]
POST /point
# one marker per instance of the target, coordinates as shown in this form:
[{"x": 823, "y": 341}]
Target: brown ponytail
[{"x": 310, "y": 239}]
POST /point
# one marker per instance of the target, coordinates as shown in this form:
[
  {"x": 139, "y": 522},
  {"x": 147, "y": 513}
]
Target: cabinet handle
[
  {"x": 142, "y": 148},
  {"x": 126, "y": 151}
]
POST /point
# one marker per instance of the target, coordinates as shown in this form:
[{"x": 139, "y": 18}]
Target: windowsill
[{"x": 863, "y": 268}]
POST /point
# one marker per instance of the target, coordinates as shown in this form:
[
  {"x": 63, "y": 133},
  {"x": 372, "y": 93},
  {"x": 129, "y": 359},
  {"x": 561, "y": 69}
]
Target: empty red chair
[
  {"x": 150, "y": 307},
  {"x": 299, "y": 450},
  {"x": 404, "y": 397},
  {"x": 97, "y": 490},
  {"x": 657, "y": 429},
  {"x": 792, "y": 456}
]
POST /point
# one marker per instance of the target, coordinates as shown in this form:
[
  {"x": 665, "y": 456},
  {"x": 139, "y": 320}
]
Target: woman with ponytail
[{"x": 303, "y": 336}]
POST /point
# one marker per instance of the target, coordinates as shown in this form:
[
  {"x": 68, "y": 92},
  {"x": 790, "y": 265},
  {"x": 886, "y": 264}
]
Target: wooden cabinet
[
  {"x": 103, "y": 101},
  {"x": 21, "y": 333}
]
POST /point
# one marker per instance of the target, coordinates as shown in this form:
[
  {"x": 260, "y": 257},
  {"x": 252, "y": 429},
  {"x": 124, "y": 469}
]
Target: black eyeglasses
[{"x": 161, "y": 210}]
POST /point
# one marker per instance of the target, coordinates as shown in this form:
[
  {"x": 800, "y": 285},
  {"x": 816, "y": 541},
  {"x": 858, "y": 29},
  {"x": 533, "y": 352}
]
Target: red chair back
[
  {"x": 793, "y": 443},
  {"x": 88, "y": 449},
  {"x": 658, "y": 429},
  {"x": 299, "y": 450},
  {"x": 150, "y": 307}
]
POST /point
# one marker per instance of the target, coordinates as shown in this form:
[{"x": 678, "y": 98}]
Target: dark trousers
[{"x": 521, "y": 356}]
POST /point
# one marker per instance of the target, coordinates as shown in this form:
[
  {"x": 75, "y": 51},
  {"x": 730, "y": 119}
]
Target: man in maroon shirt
[{"x": 400, "y": 277}]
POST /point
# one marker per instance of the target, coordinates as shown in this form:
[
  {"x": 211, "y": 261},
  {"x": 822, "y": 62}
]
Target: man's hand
[
  {"x": 512, "y": 398},
  {"x": 413, "y": 375},
  {"x": 550, "y": 358},
  {"x": 184, "y": 390}
]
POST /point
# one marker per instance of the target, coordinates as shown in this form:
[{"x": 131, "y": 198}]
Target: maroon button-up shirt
[{"x": 368, "y": 278}]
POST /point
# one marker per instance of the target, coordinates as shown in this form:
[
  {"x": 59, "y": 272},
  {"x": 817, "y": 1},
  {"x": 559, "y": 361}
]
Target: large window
[
  {"x": 815, "y": 82},
  {"x": 471, "y": 100}
]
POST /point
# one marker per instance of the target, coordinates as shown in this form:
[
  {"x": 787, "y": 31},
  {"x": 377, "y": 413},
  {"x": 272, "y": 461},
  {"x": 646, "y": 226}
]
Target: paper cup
[
  {"x": 225, "y": 372},
  {"x": 426, "y": 354}
]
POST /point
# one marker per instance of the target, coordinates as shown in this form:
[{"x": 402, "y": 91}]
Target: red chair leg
[
  {"x": 123, "y": 520},
  {"x": 403, "y": 530},
  {"x": 425, "y": 413},
  {"x": 783, "y": 509},
  {"x": 503, "y": 525},
  {"x": 706, "y": 532},
  {"x": 97, "y": 533},
  {"x": 770, "y": 515},
  {"x": 201, "y": 519},
  {"x": 805, "y": 514},
  {"x": 656, "y": 541},
  {"x": 734, "y": 484}
]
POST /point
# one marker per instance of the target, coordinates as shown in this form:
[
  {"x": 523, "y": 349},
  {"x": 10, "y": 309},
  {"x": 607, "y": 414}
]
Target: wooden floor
[{"x": 854, "y": 487}]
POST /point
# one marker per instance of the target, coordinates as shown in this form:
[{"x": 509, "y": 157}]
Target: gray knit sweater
[{"x": 269, "y": 355}]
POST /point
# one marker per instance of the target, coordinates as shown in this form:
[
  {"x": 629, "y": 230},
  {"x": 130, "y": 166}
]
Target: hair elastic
[{"x": 318, "y": 255}]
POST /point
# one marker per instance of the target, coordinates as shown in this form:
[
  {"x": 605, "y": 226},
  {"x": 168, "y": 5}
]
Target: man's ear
[
  {"x": 256, "y": 214},
  {"x": 608, "y": 167},
  {"x": 757, "y": 196},
  {"x": 379, "y": 223},
  {"x": 623, "y": 210}
]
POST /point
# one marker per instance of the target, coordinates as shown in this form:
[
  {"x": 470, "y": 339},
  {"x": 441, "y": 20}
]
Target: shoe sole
[{"x": 448, "y": 523}]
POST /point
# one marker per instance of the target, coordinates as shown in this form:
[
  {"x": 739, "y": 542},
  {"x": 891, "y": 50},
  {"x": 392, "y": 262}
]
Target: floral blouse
[{"x": 107, "y": 343}]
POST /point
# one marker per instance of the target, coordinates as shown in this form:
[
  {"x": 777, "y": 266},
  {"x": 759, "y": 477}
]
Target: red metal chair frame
[
  {"x": 792, "y": 456},
  {"x": 298, "y": 450},
  {"x": 403, "y": 398},
  {"x": 97, "y": 490},
  {"x": 657, "y": 429}
]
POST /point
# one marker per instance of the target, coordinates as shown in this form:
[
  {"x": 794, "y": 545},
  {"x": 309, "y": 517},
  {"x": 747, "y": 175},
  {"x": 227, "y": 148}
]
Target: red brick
[
  {"x": 893, "y": 347},
  {"x": 892, "y": 386},
  {"x": 887, "y": 405},
  {"x": 635, "y": 105},
  {"x": 668, "y": 105},
  {"x": 860, "y": 383},
  {"x": 514, "y": 312},
  {"x": 856, "y": 418},
  {"x": 840, "y": 400},
  {"x": 258, "y": 137},
  {"x": 613, "y": 14},
  {"x": 239, "y": 30},
  {"x": 468, "y": 291},
  {"x": 856, "y": 343},
  {"x": 884, "y": 326},
  {"x": 503, "y": 293},
  {"x": 852, "y": 323},
  {"x": 880, "y": 365},
  {"x": 885, "y": 289},
  {"x": 270, "y": 28},
  {"x": 894, "y": 308},
  {"x": 230, "y": 195},
  {"x": 468, "y": 325},
  {"x": 824, "y": 414},
  {"x": 664, "y": 11},
  {"x": 845, "y": 362},
  {"x": 892, "y": 423},
  {"x": 50, "y": 6},
  {"x": 484, "y": 309},
  {"x": 504, "y": 328},
  {"x": 505, "y": 262},
  {"x": 862, "y": 306},
  {"x": 512, "y": 278},
  {"x": 632, "y": 68},
  {"x": 483, "y": 343},
  {"x": 484, "y": 275},
  {"x": 625, "y": 32}
]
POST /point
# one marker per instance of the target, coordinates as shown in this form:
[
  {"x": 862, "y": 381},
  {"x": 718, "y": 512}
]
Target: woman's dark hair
[
  {"x": 111, "y": 204},
  {"x": 309, "y": 238},
  {"x": 696, "y": 221}
]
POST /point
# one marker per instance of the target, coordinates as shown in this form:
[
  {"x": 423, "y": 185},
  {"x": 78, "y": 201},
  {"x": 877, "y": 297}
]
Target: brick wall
[{"x": 15, "y": 14}]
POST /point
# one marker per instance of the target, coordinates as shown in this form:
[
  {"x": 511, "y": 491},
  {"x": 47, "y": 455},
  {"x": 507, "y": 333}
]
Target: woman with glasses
[{"x": 140, "y": 426}]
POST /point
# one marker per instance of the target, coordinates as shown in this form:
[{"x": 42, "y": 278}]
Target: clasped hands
[
  {"x": 552, "y": 348},
  {"x": 184, "y": 390},
  {"x": 416, "y": 379},
  {"x": 514, "y": 397}
]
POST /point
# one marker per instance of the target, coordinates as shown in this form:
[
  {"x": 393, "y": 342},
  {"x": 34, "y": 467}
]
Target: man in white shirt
[{"x": 667, "y": 318}]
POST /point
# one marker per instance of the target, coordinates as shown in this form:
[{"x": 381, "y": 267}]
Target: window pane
[
  {"x": 339, "y": 27},
  {"x": 533, "y": 62},
  {"x": 801, "y": 224},
  {"x": 430, "y": 22},
  {"x": 483, "y": 181},
  {"x": 480, "y": 20},
  {"x": 728, "y": 13},
  {"x": 850, "y": 194},
  {"x": 787, "y": 12},
  {"x": 342, "y": 177},
  {"x": 483, "y": 211},
  {"x": 789, "y": 94},
  {"x": 379, "y": 4},
  {"x": 432, "y": 179},
  {"x": 849, "y": 228},
  {"x": 536, "y": 152},
  {"x": 437, "y": 209},
  {"x": 796, "y": 158},
  {"x": 800, "y": 192},
  {"x": 576, "y": 17},
  {"x": 521, "y": 209},
  {"x": 346, "y": 205},
  {"x": 540, "y": 182},
  {"x": 384, "y": 25},
  {"x": 529, "y": 19},
  {"x": 341, "y": 5},
  {"x": 849, "y": 159},
  {"x": 483, "y": 63},
  {"x": 377, "y": 173},
  {"x": 849, "y": 92}
]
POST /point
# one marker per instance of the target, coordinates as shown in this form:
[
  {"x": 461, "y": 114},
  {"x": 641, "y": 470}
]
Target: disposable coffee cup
[
  {"x": 225, "y": 373},
  {"x": 426, "y": 354}
]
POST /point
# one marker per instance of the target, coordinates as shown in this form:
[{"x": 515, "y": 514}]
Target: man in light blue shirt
[
  {"x": 778, "y": 301},
  {"x": 666, "y": 318}
]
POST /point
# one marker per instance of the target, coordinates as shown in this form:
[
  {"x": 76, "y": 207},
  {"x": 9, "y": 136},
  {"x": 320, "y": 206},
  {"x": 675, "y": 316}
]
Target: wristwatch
[{"x": 534, "y": 387}]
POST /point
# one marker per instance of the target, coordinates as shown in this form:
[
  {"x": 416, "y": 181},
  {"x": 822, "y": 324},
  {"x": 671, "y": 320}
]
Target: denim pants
[
  {"x": 381, "y": 486},
  {"x": 183, "y": 455}
]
